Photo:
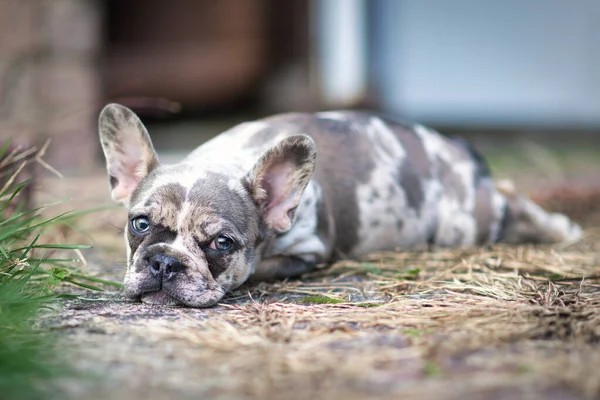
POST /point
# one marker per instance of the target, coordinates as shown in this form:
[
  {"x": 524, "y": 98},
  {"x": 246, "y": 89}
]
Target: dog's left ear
[
  {"x": 128, "y": 149},
  {"x": 278, "y": 179}
]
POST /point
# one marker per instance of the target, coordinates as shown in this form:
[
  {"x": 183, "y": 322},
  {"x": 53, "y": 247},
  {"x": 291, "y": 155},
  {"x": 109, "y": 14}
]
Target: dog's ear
[
  {"x": 278, "y": 179},
  {"x": 127, "y": 148}
]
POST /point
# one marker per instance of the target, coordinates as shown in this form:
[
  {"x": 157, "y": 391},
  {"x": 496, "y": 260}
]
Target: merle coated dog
[{"x": 272, "y": 198}]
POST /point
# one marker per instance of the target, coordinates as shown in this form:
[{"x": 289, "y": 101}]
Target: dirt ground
[{"x": 495, "y": 323}]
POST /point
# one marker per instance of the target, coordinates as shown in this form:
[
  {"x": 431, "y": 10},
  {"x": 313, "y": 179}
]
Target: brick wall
[{"x": 49, "y": 80}]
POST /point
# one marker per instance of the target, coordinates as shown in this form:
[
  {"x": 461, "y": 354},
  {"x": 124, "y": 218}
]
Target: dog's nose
[{"x": 164, "y": 265}]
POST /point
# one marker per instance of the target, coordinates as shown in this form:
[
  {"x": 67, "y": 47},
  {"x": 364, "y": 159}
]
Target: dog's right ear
[
  {"x": 127, "y": 148},
  {"x": 278, "y": 179}
]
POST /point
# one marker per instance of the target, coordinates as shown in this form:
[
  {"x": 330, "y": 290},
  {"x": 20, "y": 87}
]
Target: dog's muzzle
[{"x": 164, "y": 267}]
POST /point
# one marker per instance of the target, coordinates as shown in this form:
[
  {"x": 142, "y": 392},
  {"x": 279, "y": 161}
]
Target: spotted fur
[{"x": 295, "y": 190}]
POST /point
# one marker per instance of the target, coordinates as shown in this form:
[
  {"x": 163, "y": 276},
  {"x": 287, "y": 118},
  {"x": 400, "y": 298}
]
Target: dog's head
[{"x": 192, "y": 232}]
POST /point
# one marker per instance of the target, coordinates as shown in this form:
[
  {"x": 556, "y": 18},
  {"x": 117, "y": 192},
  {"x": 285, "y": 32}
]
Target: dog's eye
[
  {"x": 221, "y": 243},
  {"x": 140, "y": 224}
]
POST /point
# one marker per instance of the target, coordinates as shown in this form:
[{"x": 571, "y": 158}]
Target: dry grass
[
  {"x": 501, "y": 322},
  {"x": 498, "y": 322},
  {"x": 471, "y": 322}
]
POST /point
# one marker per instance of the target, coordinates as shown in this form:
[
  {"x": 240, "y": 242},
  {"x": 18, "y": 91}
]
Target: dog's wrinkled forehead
[{"x": 202, "y": 205}]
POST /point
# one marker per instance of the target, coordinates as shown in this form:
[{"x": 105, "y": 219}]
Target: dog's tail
[{"x": 526, "y": 222}]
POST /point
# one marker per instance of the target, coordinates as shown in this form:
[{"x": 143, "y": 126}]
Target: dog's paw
[
  {"x": 560, "y": 229},
  {"x": 506, "y": 187}
]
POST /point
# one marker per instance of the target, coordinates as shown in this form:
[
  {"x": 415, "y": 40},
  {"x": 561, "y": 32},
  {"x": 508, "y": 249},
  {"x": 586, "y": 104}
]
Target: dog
[{"x": 270, "y": 199}]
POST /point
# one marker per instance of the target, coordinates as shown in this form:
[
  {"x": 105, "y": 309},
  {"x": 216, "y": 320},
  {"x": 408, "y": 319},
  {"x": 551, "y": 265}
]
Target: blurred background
[{"x": 498, "y": 72}]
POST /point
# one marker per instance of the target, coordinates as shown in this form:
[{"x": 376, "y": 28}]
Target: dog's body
[
  {"x": 377, "y": 185},
  {"x": 253, "y": 201}
]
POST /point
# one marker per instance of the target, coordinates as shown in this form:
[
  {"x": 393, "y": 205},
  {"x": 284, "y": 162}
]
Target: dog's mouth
[
  {"x": 163, "y": 298},
  {"x": 196, "y": 292},
  {"x": 159, "y": 298}
]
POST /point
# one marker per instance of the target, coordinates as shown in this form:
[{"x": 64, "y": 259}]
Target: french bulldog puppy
[{"x": 272, "y": 198}]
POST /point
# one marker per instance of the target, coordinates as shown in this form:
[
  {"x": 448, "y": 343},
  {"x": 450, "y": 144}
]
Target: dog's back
[{"x": 378, "y": 184}]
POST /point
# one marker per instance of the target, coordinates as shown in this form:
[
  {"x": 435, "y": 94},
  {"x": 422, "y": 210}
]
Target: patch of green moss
[
  {"x": 370, "y": 268},
  {"x": 413, "y": 332},
  {"x": 524, "y": 368},
  {"x": 556, "y": 277},
  {"x": 368, "y": 305},
  {"x": 432, "y": 370},
  {"x": 319, "y": 300}
]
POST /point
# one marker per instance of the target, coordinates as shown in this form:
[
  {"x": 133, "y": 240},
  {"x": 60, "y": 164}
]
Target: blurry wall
[
  {"x": 61, "y": 60},
  {"x": 461, "y": 62},
  {"x": 473, "y": 62},
  {"x": 531, "y": 63},
  {"x": 206, "y": 54},
  {"x": 49, "y": 81},
  {"x": 198, "y": 53}
]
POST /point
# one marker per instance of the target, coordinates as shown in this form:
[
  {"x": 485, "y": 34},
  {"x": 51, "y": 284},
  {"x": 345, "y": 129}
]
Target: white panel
[
  {"x": 490, "y": 62},
  {"x": 342, "y": 52}
]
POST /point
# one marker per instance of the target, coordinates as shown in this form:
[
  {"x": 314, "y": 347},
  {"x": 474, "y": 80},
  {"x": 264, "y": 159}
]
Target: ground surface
[{"x": 493, "y": 323}]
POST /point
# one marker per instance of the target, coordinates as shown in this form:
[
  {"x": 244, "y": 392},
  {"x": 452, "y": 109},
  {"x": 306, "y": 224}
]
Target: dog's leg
[
  {"x": 280, "y": 268},
  {"x": 526, "y": 222}
]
